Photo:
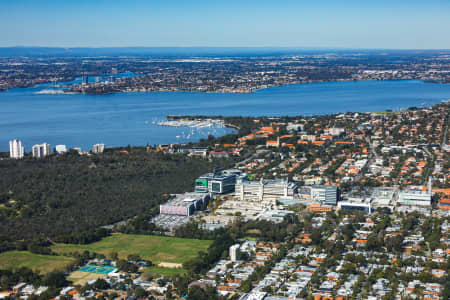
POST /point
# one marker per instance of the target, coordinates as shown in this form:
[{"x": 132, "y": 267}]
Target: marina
[{"x": 206, "y": 123}]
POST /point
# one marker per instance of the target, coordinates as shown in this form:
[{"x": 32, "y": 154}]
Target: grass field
[
  {"x": 43, "y": 263},
  {"x": 81, "y": 278},
  {"x": 167, "y": 272},
  {"x": 254, "y": 231},
  {"x": 249, "y": 238},
  {"x": 155, "y": 248},
  {"x": 390, "y": 112}
]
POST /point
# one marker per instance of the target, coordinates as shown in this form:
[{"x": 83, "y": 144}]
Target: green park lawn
[
  {"x": 155, "y": 248},
  {"x": 167, "y": 272},
  {"x": 36, "y": 262}
]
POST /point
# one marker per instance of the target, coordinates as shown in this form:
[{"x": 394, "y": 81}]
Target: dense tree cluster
[
  {"x": 66, "y": 198},
  {"x": 197, "y": 293}
]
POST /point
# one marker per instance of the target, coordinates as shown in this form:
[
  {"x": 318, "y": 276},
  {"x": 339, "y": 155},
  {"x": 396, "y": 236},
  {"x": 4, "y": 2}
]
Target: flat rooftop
[{"x": 185, "y": 200}]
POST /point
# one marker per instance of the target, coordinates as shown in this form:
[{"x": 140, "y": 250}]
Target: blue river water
[{"x": 129, "y": 118}]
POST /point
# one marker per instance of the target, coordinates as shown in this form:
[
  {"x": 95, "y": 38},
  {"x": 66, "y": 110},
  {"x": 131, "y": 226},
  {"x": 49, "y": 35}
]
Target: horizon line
[{"x": 234, "y": 47}]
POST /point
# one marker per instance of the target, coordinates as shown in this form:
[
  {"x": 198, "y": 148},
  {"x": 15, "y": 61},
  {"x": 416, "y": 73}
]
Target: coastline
[
  {"x": 247, "y": 91},
  {"x": 236, "y": 91},
  {"x": 124, "y": 119}
]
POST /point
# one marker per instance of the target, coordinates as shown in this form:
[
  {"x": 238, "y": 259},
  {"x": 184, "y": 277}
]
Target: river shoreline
[
  {"x": 130, "y": 118},
  {"x": 237, "y": 91}
]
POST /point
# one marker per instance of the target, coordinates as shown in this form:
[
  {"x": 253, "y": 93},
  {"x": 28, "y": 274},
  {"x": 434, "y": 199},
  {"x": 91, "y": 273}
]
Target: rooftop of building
[
  {"x": 221, "y": 174},
  {"x": 185, "y": 199},
  {"x": 419, "y": 190},
  {"x": 268, "y": 182}
]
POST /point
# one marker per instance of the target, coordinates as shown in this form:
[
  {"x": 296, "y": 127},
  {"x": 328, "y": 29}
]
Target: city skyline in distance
[
  {"x": 188, "y": 52},
  {"x": 294, "y": 24}
]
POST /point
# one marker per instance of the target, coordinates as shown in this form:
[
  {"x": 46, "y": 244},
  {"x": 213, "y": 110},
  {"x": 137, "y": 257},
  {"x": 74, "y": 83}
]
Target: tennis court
[{"x": 97, "y": 269}]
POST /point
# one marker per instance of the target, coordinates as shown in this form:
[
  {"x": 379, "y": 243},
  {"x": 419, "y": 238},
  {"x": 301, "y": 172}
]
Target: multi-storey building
[
  {"x": 98, "y": 148},
  {"x": 184, "y": 204},
  {"x": 325, "y": 194},
  {"x": 264, "y": 191},
  {"x": 416, "y": 195},
  {"x": 41, "y": 150},
  {"x": 61, "y": 149},
  {"x": 15, "y": 149},
  {"x": 219, "y": 182}
]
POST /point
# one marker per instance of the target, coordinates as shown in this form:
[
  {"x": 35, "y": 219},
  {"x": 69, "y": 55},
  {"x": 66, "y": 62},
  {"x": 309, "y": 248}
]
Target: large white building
[
  {"x": 234, "y": 252},
  {"x": 15, "y": 149},
  {"x": 335, "y": 131},
  {"x": 61, "y": 149},
  {"x": 98, "y": 148},
  {"x": 265, "y": 191},
  {"x": 184, "y": 204},
  {"x": 295, "y": 127},
  {"x": 41, "y": 150},
  {"x": 416, "y": 195}
]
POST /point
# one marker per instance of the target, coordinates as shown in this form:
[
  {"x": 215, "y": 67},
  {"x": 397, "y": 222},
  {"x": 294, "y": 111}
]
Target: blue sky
[{"x": 396, "y": 24}]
